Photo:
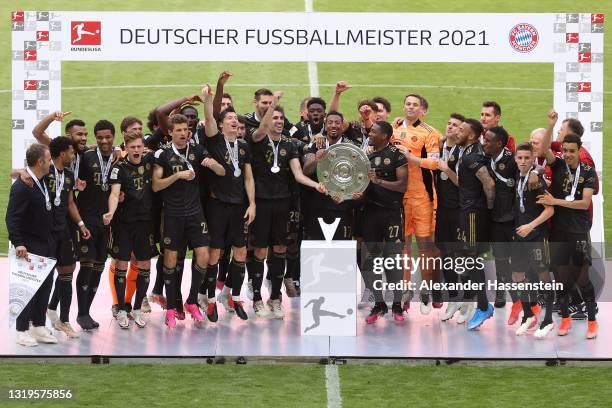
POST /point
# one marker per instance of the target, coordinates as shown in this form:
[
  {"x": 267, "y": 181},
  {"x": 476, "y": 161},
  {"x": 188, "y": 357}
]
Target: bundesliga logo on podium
[{"x": 328, "y": 301}]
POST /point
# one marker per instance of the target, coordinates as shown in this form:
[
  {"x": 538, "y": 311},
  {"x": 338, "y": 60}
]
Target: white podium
[{"x": 328, "y": 302}]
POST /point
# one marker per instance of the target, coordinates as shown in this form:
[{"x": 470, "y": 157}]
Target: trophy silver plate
[{"x": 344, "y": 170}]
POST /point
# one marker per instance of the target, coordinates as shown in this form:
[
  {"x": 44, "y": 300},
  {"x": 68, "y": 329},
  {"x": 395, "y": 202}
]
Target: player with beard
[
  {"x": 76, "y": 130},
  {"x": 447, "y": 214},
  {"x": 476, "y": 198},
  {"x": 572, "y": 190},
  {"x": 420, "y": 143},
  {"x": 326, "y": 207},
  {"x": 262, "y": 100},
  {"x": 227, "y": 213},
  {"x": 93, "y": 203},
  {"x": 316, "y": 121},
  {"x": 273, "y": 157},
  {"x": 175, "y": 175},
  {"x": 530, "y": 251},
  {"x": 383, "y": 232},
  {"x": 132, "y": 229}
]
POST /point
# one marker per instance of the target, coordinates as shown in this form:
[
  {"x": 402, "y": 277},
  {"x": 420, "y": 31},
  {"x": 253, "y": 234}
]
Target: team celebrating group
[{"x": 241, "y": 192}]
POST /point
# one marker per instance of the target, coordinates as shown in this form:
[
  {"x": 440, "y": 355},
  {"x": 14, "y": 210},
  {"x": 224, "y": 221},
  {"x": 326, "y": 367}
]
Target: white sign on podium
[{"x": 328, "y": 301}]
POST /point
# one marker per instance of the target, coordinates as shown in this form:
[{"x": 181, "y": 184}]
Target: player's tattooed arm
[
  {"x": 40, "y": 130},
  {"x": 488, "y": 185}
]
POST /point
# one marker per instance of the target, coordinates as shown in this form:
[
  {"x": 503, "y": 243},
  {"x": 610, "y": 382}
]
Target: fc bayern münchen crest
[{"x": 523, "y": 37}]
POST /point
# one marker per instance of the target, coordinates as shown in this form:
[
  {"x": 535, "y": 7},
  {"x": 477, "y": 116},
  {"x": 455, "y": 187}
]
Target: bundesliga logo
[
  {"x": 86, "y": 33},
  {"x": 523, "y": 37}
]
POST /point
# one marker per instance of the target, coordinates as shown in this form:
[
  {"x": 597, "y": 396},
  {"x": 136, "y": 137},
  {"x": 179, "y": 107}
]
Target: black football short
[
  {"x": 64, "y": 252},
  {"x": 95, "y": 248},
  {"x": 73, "y": 230},
  {"x": 344, "y": 231},
  {"x": 192, "y": 229},
  {"x": 131, "y": 237},
  {"x": 226, "y": 223},
  {"x": 447, "y": 229},
  {"x": 474, "y": 231},
  {"x": 295, "y": 223},
  {"x": 270, "y": 225},
  {"x": 570, "y": 248},
  {"x": 358, "y": 220},
  {"x": 501, "y": 233},
  {"x": 383, "y": 224},
  {"x": 530, "y": 256},
  {"x": 383, "y": 232}
]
